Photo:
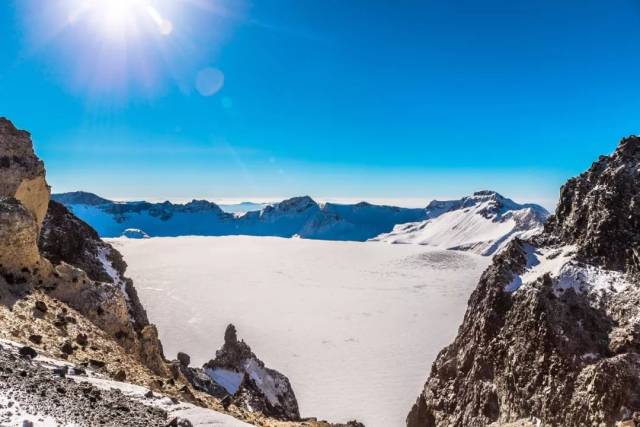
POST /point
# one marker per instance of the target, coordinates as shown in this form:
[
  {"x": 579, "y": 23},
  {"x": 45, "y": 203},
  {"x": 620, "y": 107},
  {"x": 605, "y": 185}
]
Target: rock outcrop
[
  {"x": 551, "y": 335},
  {"x": 239, "y": 377},
  {"x": 22, "y": 174}
]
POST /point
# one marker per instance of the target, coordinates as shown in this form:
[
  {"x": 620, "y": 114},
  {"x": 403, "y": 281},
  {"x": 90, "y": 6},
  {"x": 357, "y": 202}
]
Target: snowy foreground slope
[
  {"x": 483, "y": 223},
  {"x": 340, "y": 318},
  {"x": 26, "y": 403}
]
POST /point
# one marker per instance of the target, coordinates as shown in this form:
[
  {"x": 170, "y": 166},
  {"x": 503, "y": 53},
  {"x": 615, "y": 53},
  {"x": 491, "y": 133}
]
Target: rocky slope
[
  {"x": 483, "y": 223},
  {"x": 552, "y": 332},
  {"x": 64, "y": 294}
]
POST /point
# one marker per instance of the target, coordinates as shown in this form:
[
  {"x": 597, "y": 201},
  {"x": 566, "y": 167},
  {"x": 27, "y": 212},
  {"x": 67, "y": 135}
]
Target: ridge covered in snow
[
  {"x": 298, "y": 216},
  {"x": 482, "y": 223}
]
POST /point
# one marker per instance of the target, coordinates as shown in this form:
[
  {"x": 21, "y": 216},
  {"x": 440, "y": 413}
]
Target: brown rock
[{"x": 22, "y": 174}]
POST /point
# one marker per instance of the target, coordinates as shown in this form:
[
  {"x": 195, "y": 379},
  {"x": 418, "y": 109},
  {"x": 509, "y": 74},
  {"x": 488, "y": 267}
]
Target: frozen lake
[{"x": 355, "y": 326}]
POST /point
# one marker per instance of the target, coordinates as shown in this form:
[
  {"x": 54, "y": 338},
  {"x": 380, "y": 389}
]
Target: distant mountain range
[{"x": 480, "y": 223}]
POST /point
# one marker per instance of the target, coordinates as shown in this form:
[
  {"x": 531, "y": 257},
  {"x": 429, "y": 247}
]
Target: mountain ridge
[{"x": 304, "y": 217}]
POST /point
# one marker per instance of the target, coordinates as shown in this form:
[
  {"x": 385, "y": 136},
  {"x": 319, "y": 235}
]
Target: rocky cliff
[
  {"x": 551, "y": 335},
  {"x": 74, "y": 266}
]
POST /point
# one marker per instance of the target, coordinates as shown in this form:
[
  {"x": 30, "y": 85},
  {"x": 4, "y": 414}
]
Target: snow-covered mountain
[
  {"x": 482, "y": 223},
  {"x": 298, "y": 216}
]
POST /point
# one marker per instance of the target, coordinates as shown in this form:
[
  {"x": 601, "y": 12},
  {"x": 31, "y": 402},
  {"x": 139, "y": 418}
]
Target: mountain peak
[
  {"x": 8, "y": 128},
  {"x": 598, "y": 210},
  {"x": 629, "y": 148},
  {"x": 298, "y": 203},
  {"x": 487, "y": 193},
  {"x": 80, "y": 197}
]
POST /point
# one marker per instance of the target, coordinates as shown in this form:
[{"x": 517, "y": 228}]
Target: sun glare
[
  {"x": 112, "y": 50},
  {"x": 121, "y": 18}
]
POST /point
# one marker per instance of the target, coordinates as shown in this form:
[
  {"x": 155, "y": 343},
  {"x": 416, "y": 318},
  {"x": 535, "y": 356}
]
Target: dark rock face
[
  {"x": 66, "y": 238},
  {"x": 559, "y": 345},
  {"x": 600, "y": 210}
]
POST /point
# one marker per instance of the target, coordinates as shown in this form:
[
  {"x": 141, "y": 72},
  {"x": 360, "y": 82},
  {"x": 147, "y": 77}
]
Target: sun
[
  {"x": 111, "y": 51},
  {"x": 120, "y": 19}
]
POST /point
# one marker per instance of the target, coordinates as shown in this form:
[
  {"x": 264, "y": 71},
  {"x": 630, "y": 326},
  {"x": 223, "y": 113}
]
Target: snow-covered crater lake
[{"x": 355, "y": 326}]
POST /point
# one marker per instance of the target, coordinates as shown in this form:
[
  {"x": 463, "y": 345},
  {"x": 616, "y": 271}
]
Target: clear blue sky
[{"x": 337, "y": 99}]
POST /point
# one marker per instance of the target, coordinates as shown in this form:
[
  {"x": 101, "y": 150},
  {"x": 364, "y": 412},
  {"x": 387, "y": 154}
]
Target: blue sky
[{"x": 396, "y": 100}]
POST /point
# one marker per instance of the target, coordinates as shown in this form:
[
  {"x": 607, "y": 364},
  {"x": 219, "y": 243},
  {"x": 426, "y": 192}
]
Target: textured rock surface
[
  {"x": 600, "y": 210},
  {"x": 552, "y": 332},
  {"x": 18, "y": 234},
  {"x": 22, "y": 174},
  {"x": 28, "y": 388}
]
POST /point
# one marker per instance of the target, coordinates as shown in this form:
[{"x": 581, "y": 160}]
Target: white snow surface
[
  {"x": 483, "y": 224},
  {"x": 355, "y": 326},
  {"x": 198, "y": 416},
  {"x": 226, "y": 378}
]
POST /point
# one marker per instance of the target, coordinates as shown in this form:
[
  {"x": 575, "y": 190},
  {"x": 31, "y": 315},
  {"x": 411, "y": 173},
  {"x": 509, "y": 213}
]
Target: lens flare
[{"x": 209, "y": 81}]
